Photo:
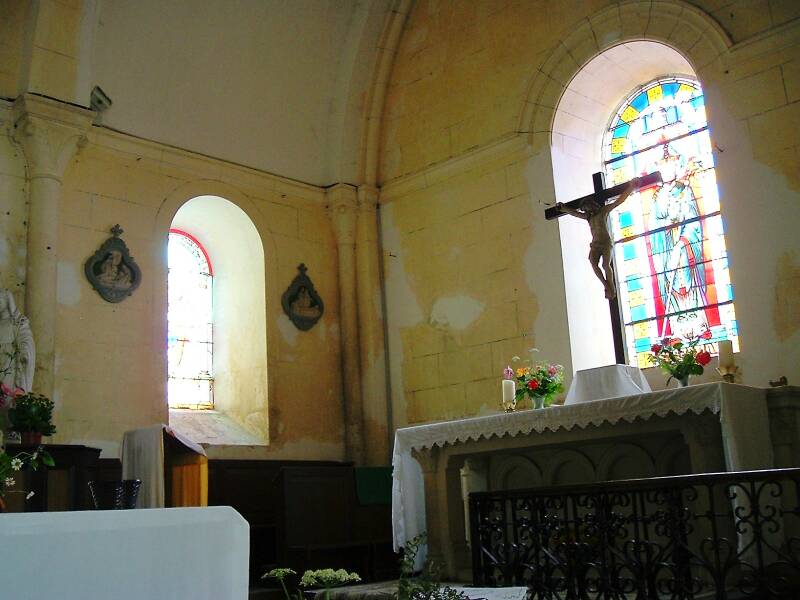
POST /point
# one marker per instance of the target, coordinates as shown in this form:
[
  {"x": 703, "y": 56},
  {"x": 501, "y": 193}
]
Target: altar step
[{"x": 386, "y": 590}]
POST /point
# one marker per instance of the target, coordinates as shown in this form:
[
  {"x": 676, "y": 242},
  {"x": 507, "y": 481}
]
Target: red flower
[
  {"x": 655, "y": 348},
  {"x": 703, "y": 358},
  {"x": 706, "y": 334},
  {"x": 533, "y": 384}
]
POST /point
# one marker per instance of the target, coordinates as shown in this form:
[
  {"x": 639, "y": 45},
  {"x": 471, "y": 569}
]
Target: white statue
[{"x": 17, "y": 351}]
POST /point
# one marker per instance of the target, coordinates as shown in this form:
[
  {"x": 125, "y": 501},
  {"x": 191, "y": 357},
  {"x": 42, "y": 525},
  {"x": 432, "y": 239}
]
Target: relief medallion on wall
[
  {"x": 111, "y": 270},
  {"x": 301, "y": 303}
]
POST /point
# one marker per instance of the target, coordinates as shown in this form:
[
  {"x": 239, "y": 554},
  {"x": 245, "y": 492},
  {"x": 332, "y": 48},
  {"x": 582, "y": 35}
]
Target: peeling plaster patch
[
  {"x": 455, "y": 312},
  {"x": 322, "y": 329},
  {"x": 786, "y": 308},
  {"x": 402, "y": 309},
  {"x": 288, "y": 330},
  {"x": 69, "y": 284},
  {"x": 405, "y": 308},
  {"x": 4, "y": 252}
]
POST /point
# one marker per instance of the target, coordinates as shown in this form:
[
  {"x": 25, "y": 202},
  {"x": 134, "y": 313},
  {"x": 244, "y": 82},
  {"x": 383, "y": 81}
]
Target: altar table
[
  {"x": 740, "y": 411},
  {"x": 164, "y": 554}
]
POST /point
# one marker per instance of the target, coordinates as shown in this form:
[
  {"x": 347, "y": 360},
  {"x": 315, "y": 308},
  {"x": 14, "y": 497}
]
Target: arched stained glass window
[
  {"x": 190, "y": 324},
  {"x": 669, "y": 247}
]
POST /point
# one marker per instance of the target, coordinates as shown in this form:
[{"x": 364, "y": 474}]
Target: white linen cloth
[
  {"x": 611, "y": 381},
  {"x": 742, "y": 413},
  {"x": 143, "y": 458},
  {"x": 162, "y": 554}
]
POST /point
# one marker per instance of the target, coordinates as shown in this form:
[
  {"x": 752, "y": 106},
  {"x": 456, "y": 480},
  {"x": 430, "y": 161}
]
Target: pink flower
[
  {"x": 533, "y": 384},
  {"x": 508, "y": 373},
  {"x": 655, "y": 348},
  {"x": 14, "y": 392},
  {"x": 552, "y": 369},
  {"x": 9, "y": 393}
]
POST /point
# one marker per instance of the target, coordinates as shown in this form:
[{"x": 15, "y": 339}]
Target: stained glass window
[
  {"x": 669, "y": 245},
  {"x": 190, "y": 324}
]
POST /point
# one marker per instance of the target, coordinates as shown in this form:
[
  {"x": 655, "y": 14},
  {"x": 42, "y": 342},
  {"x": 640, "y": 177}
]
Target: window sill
[{"x": 211, "y": 427}]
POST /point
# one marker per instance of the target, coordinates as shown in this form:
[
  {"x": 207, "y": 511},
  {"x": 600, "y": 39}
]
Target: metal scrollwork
[{"x": 722, "y": 536}]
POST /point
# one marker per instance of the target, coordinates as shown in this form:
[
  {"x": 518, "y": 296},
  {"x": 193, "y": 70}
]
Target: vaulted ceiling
[{"x": 278, "y": 85}]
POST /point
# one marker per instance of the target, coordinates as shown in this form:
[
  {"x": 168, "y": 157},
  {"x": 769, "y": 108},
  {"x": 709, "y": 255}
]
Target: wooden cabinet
[{"x": 62, "y": 487}]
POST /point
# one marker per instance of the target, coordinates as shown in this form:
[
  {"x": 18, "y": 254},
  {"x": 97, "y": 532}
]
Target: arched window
[
  {"x": 669, "y": 247},
  {"x": 190, "y": 346}
]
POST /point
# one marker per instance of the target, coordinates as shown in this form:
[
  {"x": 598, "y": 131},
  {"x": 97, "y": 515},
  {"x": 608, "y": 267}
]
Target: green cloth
[{"x": 374, "y": 485}]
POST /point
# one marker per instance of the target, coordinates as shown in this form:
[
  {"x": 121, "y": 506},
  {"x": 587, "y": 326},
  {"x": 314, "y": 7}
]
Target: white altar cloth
[
  {"x": 612, "y": 381},
  {"x": 742, "y": 412},
  {"x": 154, "y": 554}
]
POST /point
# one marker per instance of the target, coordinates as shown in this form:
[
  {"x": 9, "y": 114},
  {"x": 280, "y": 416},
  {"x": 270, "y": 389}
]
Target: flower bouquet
[
  {"x": 681, "y": 359},
  {"x": 538, "y": 381},
  {"x": 321, "y": 578},
  {"x": 11, "y": 465}
]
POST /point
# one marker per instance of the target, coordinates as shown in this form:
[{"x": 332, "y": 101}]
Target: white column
[
  {"x": 474, "y": 478},
  {"x": 49, "y": 133},
  {"x": 377, "y": 418},
  {"x": 342, "y": 203}
]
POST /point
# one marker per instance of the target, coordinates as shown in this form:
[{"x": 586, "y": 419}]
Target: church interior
[{"x": 290, "y": 256}]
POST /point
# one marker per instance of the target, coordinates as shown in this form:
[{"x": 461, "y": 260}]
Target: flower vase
[
  {"x": 538, "y": 401},
  {"x": 683, "y": 381},
  {"x": 31, "y": 438}
]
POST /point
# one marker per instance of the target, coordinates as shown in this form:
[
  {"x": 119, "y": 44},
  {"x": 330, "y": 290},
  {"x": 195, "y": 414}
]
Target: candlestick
[
  {"x": 509, "y": 395},
  {"x": 726, "y": 355}
]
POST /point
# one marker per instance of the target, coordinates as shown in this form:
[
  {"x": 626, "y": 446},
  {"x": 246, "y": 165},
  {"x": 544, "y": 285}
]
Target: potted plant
[{"x": 32, "y": 416}]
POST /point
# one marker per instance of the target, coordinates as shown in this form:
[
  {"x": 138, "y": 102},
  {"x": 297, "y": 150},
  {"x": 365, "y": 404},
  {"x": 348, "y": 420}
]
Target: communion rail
[{"x": 723, "y": 536}]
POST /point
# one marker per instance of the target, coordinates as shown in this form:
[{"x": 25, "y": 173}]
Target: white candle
[
  {"x": 509, "y": 390},
  {"x": 726, "y": 355}
]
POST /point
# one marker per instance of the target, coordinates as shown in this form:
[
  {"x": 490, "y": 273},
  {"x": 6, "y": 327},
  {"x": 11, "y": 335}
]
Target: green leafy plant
[
  {"x": 426, "y": 585},
  {"x": 32, "y": 412},
  {"x": 11, "y": 465}
]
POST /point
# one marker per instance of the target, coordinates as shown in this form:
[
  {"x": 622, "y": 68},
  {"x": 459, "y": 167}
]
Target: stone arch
[
  {"x": 568, "y": 467},
  {"x": 171, "y": 207},
  {"x": 625, "y": 461},
  {"x": 678, "y": 24},
  {"x": 507, "y": 469}
]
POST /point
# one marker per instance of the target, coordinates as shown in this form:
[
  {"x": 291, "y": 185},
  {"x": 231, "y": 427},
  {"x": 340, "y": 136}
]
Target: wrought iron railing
[{"x": 723, "y": 536}]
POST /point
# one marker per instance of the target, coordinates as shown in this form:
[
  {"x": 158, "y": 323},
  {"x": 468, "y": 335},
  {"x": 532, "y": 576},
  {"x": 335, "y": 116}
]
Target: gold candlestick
[{"x": 728, "y": 373}]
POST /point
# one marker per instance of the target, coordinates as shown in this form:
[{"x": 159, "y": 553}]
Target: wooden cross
[{"x": 601, "y": 196}]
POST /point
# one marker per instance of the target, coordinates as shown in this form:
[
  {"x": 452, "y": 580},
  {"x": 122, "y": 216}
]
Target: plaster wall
[
  {"x": 111, "y": 358},
  {"x": 470, "y": 282},
  {"x": 13, "y": 211},
  {"x": 458, "y": 222},
  {"x": 463, "y": 69}
]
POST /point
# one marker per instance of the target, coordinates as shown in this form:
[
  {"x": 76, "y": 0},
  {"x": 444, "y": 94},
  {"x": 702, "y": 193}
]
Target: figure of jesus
[{"x": 601, "y": 246}]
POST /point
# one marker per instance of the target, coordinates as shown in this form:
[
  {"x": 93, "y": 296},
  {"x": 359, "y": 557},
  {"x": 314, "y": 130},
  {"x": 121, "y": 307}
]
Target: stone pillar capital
[
  {"x": 343, "y": 205},
  {"x": 49, "y": 132},
  {"x": 368, "y": 197}
]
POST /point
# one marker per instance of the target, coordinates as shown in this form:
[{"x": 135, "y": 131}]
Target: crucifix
[{"x": 595, "y": 208}]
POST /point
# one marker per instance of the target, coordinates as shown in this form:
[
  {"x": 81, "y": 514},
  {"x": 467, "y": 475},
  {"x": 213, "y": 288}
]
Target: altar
[
  {"x": 697, "y": 429},
  {"x": 198, "y": 553}
]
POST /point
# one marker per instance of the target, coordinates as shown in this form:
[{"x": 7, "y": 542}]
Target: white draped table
[
  {"x": 164, "y": 554},
  {"x": 741, "y": 410}
]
